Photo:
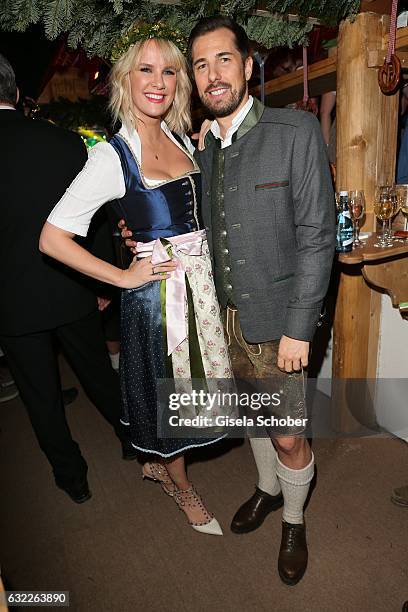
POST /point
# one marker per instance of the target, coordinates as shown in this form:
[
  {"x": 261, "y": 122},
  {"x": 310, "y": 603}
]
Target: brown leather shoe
[
  {"x": 292, "y": 560},
  {"x": 254, "y": 511}
]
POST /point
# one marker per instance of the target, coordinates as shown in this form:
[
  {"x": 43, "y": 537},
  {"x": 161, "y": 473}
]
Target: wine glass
[
  {"x": 384, "y": 209},
  {"x": 357, "y": 208},
  {"x": 402, "y": 197},
  {"x": 388, "y": 232}
]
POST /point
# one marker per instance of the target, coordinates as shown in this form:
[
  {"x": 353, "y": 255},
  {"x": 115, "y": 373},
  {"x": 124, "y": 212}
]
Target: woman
[{"x": 157, "y": 184}]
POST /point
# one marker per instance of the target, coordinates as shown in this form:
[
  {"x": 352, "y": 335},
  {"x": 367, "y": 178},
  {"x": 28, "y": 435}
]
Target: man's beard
[{"x": 229, "y": 106}]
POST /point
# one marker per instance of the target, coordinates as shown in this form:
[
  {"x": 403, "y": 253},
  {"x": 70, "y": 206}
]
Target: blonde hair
[{"x": 178, "y": 117}]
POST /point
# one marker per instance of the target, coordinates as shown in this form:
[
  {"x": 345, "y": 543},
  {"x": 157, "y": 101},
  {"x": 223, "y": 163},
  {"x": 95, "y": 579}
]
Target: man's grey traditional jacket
[{"x": 279, "y": 221}]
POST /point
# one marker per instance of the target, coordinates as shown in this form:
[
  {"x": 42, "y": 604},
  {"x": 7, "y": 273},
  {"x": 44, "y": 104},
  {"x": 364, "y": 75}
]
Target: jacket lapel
[{"x": 250, "y": 120}]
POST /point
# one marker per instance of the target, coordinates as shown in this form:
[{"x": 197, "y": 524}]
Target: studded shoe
[
  {"x": 189, "y": 501},
  {"x": 158, "y": 472}
]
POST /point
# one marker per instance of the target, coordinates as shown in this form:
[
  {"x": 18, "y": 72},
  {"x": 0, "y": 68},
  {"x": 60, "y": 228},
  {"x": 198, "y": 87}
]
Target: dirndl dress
[{"x": 184, "y": 338}]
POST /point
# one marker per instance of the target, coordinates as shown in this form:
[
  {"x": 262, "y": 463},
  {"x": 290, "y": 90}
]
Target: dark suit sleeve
[{"x": 314, "y": 215}]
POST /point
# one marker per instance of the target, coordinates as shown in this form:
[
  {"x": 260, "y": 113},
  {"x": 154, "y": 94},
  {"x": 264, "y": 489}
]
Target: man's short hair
[
  {"x": 211, "y": 24},
  {"x": 8, "y": 87}
]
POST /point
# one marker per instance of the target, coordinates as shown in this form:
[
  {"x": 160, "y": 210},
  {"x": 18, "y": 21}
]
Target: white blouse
[{"x": 100, "y": 181}]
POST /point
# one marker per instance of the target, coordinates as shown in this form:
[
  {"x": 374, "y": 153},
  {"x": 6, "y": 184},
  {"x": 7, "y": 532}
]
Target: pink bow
[{"x": 188, "y": 244}]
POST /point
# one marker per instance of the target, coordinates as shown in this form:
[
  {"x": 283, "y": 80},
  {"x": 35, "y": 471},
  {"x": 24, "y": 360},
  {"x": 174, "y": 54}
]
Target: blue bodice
[{"x": 168, "y": 209}]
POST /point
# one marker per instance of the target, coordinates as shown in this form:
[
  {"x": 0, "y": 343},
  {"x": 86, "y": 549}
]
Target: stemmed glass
[
  {"x": 385, "y": 206},
  {"x": 402, "y": 197},
  {"x": 357, "y": 209},
  {"x": 389, "y": 232}
]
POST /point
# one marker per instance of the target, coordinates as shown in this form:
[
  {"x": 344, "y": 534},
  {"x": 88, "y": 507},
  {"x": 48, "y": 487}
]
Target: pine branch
[
  {"x": 97, "y": 25},
  {"x": 274, "y": 32},
  {"x": 58, "y": 17},
  {"x": 7, "y": 15},
  {"x": 24, "y": 13}
]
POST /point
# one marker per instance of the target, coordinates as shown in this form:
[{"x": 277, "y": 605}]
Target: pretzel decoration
[
  {"x": 390, "y": 72},
  {"x": 389, "y": 75}
]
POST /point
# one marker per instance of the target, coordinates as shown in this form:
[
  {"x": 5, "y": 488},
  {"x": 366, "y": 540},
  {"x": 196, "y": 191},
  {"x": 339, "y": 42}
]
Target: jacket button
[
  {"x": 229, "y": 287},
  {"x": 225, "y": 251},
  {"x": 224, "y": 233},
  {"x": 222, "y": 214},
  {"x": 227, "y": 269}
]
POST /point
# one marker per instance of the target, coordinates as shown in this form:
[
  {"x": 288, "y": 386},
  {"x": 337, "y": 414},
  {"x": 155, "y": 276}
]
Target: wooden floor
[{"x": 129, "y": 548}]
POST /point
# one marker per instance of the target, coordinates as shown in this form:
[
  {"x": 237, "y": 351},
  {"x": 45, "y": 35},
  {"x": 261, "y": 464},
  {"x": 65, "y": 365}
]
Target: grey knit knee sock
[
  {"x": 295, "y": 487},
  {"x": 265, "y": 458}
]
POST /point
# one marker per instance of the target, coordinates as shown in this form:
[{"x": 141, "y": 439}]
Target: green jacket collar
[{"x": 248, "y": 123}]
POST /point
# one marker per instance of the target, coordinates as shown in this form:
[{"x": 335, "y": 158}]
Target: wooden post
[
  {"x": 366, "y": 150},
  {"x": 366, "y": 118}
]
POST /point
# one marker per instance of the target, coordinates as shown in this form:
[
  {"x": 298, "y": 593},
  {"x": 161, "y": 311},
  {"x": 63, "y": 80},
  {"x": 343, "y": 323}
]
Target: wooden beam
[
  {"x": 367, "y": 138},
  {"x": 382, "y": 7},
  {"x": 357, "y": 319},
  {"x": 289, "y": 87},
  {"x": 376, "y": 58},
  {"x": 366, "y": 151},
  {"x": 322, "y": 75}
]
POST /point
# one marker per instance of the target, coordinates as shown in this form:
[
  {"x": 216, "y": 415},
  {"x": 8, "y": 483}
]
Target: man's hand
[
  {"x": 126, "y": 235},
  {"x": 103, "y": 303},
  {"x": 293, "y": 354}
]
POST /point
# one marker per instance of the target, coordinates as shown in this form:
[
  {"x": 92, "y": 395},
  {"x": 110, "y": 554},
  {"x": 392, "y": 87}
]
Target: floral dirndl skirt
[{"x": 171, "y": 330}]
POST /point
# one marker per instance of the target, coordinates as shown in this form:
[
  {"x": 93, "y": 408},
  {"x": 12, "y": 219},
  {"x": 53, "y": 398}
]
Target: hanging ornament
[
  {"x": 306, "y": 104},
  {"x": 390, "y": 72}
]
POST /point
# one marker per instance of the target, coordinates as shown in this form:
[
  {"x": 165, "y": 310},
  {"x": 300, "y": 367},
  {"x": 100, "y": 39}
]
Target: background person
[{"x": 42, "y": 301}]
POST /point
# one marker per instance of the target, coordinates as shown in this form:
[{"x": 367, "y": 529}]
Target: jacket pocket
[{"x": 271, "y": 185}]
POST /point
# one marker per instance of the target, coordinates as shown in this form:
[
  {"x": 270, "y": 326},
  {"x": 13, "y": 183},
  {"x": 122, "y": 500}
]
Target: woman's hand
[
  {"x": 142, "y": 271},
  {"x": 205, "y": 126}
]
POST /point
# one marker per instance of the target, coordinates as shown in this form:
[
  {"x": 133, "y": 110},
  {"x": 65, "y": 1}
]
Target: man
[
  {"x": 41, "y": 301},
  {"x": 269, "y": 213}
]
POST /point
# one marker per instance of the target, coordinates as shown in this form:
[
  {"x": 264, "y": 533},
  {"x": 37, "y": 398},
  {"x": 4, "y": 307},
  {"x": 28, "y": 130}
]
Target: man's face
[{"x": 219, "y": 72}]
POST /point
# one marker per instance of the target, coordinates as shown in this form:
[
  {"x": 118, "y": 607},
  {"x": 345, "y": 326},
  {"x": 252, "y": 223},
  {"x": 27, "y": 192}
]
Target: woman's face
[{"x": 153, "y": 83}]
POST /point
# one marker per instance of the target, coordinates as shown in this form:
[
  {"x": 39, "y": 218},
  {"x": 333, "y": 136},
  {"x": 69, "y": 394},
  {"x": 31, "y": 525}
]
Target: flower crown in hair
[{"x": 143, "y": 31}]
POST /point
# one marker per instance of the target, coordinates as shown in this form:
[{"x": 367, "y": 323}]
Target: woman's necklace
[{"x": 154, "y": 150}]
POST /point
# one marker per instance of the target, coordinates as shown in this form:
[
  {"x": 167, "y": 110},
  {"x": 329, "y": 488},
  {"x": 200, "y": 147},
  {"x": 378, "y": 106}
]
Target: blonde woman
[{"x": 157, "y": 184}]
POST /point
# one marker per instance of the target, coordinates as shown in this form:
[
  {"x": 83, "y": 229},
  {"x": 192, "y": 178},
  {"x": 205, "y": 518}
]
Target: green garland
[
  {"x": 98, "y": 25},
  {"x": 142, "y": 31}
]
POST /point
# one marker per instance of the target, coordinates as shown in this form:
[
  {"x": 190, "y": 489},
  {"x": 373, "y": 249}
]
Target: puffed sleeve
[{"x": 100, "y": 181}]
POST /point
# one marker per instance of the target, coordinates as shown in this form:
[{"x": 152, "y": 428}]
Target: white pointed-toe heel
[
  {"x": 211, "y": 528},
  {"x": 158, "y": 472},
  {"x": 190, "y": 500}
]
